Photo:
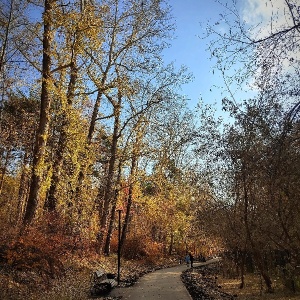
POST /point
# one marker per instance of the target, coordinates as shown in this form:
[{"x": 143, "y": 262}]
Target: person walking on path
[
  {"x": 191, "y": 259},
  {"x": 187, "y": 260}
]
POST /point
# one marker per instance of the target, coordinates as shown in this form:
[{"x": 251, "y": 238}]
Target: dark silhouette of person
[{"x": 191, "y": 259}]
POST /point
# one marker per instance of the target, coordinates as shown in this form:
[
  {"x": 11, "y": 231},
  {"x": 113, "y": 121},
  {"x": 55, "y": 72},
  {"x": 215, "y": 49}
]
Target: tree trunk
[
  {"x": 111, "y": 224},
  {"x": 130, "y": 200},
  {"x": 92, "y": 126},
  {"x": 112, "y": 215},
  {"x": 171, "y": 243},
  {"x": 242, "y": 268},
  {"x": 94, "y": 118},
  {"x": 23, "y": 189},
  {"x": 256, "y": 252},
  {"x": 3, "y": 170},
  {"x": 84, "y": 167},
  {"x": 5, "y": 40},
  {"x": 43, "y": 129},
  {"x": 110, "y": 180},
  {"x": 51, "y": 201}
]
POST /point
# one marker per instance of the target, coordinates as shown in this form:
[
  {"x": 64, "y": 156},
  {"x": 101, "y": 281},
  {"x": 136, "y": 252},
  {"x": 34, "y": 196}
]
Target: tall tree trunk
[
  {"x": 23, "y": 189},
  {"x": 171, "y": 243},
  {"x": 257, "y": 254},
  {"x": 130, "y": 199},
  {"x": 134, "y": 160},
  {"x": 110, "y": 176},
  {"x": 5, "y": 40},
  {"x": 94, "y": 118},
  {"x": 3, "y": 170},
  {"x": 93, "y": 121},
  {"x": 113, "y": 213},
  {"x": 43, "y": 129},
  {"x": 51, "y": 201},
  {"x": 242, "y": 268},
  {"x": 84, "y": 166}
]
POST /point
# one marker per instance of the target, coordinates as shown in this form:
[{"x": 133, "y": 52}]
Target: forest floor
[
  {"x": 75, "y": 282},
  {"x": 203, "y": 283},
  {"x": 207, "y": 283}
]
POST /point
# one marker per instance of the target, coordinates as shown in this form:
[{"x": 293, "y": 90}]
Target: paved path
[{"x": 162, "y": 284}]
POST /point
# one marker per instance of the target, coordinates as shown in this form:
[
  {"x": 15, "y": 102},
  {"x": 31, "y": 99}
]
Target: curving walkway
[{"x": 162, "y": 284}]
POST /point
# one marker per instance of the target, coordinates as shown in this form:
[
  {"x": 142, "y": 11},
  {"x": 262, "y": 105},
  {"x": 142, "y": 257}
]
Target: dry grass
[{"x": 255, "y": 290}]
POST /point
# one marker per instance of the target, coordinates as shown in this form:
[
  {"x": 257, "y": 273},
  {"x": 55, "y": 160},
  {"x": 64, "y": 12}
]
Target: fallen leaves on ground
[
  {"x": 201, "y": 282},
  {"x": 75, "y": 283},
  {"x": 207, "y": 283}
]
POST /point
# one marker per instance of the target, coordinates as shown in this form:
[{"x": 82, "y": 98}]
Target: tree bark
[
  {"x": 3, "y": 170},
  {"x": 257, "y": 255},
  {"x": 91, "y": 131},
  {"x": 5, "y": 41},
  {"x": 43, "y": 129},
  {"x": 51, "y": 201},
  {"x": 129, "y": 201},
  {"x": 242, "y": 268},
  {"x": 23, "y": 189},
  {"x": 110, "y": 176},
  {"x": 171, "y": 244},
  {"x": 113, "y": 214}
]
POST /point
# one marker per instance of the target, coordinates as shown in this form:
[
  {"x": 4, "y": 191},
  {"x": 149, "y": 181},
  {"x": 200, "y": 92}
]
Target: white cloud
[{"x": 266, "y": 17}]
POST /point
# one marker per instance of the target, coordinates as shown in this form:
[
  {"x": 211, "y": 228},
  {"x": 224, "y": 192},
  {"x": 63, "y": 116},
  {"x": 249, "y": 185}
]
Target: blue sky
[
  {"x": 191, "y": 17},
  {"x": 189, "y": 49}
]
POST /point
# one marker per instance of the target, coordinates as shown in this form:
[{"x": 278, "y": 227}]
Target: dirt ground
[
  {"x": 254, "y": 289},
  {"x": 207, "y": 282},
  {"x": 204, "y": 283}
]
